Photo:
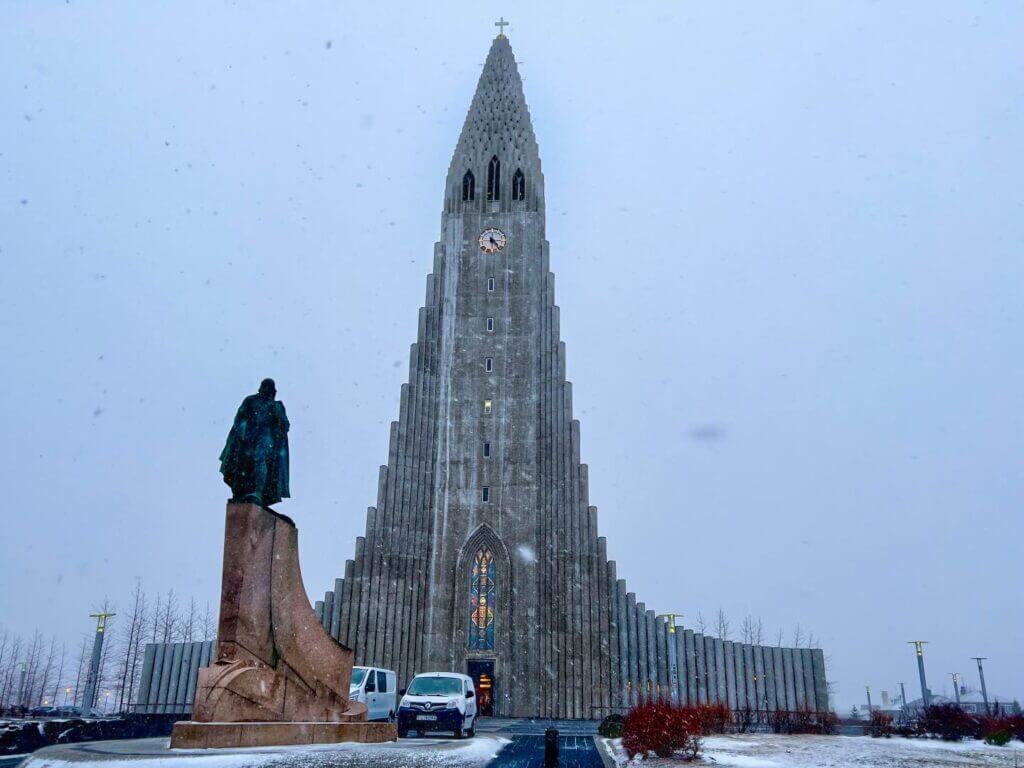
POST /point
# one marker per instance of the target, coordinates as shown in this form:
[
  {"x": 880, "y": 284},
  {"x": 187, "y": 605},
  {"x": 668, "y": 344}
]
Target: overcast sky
[{"x": 787, "y": 240}]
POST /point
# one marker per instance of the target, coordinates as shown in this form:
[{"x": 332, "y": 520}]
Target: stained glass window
[{"x": 481, "y": 602}]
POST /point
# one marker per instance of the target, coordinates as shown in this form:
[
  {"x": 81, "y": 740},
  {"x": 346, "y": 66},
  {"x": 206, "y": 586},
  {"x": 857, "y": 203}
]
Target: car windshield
[
  {"x": 435, "y": 686},
  {"x": 358, "y": 673}
]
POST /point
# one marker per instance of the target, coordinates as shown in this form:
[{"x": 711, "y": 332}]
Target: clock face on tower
[{"x": 492, "y": 240}]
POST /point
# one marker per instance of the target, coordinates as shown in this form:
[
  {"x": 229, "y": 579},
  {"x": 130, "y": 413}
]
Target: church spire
[{"x": 497, "y": 128}]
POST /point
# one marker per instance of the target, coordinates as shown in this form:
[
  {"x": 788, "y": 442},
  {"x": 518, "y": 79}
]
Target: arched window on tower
[
  {"x": 482, "y": 601},
  {"x": 468, "y": 186},
  {"x": 519, "y": 185},
  {"x": 494, "y": 179}
]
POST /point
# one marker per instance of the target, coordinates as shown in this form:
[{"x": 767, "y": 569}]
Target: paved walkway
[
  {"x": 535, "y": 726},
  {"x": 528, "y": 752}
]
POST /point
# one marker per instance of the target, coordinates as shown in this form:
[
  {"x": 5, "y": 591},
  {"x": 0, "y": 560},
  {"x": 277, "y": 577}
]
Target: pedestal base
[{"x": 192, "y": 735}]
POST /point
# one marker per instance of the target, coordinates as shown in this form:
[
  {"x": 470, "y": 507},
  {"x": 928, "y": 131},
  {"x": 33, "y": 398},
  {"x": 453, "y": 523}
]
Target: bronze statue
[{"x": 254, "y": 461}]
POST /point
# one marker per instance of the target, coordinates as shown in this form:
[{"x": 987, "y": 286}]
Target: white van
[
  {"x": 438, "y": 701},
  {"x": 376, "y": 689}
]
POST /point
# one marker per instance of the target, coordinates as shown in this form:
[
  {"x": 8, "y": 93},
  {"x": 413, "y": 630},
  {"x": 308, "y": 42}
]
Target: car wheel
[
  {"x": 458, "y": 730},
  {"x": 391, "y": 717},
  {"x": 403, "y": 733}
]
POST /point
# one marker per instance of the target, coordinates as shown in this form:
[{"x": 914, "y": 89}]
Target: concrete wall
[{"x": 169, "y": 674}]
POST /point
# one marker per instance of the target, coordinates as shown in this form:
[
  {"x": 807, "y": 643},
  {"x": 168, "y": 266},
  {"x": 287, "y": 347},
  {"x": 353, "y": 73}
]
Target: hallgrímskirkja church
[{"x": 482, "y": 553}]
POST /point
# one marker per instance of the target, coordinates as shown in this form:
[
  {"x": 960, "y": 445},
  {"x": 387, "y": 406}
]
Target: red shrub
[
  {"x": 880, "y": 724},
  {"x": 713, "y": 718},
  {"x": 663, "y": 729},
  {"x": 948, "y": 722}
]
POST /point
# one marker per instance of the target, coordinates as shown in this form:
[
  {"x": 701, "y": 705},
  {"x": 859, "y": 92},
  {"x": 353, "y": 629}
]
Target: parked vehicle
[
  {"x": 67, "y": 711},
  {"x": 42, "y": 711},
  {"x": 438, "y": 701},
  {"x": 376, "y": 689}
]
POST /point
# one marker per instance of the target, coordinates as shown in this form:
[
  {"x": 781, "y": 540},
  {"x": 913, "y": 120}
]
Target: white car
[
  {"x": 438, "y": 701},
  {"x": 376, "y": 689}
]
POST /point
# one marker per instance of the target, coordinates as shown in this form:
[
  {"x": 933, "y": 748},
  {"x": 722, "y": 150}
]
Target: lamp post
[
  {"x": 903, "y": 695},
  {"x": 926, "y": 696},
  {"x": 673, "y": 662},
  {"x": 956, "y": 686},
  {"x": 94, "y": 668},
  {"x": 981, "y": 675},
  {"x": 868, "y": 689}
]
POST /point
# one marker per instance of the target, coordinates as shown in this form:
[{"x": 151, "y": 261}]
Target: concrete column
[
  {"x": 741, "y": 676},
  {"x": 691, "y": 667},
  {"x": 807, "y": 665},
  {"x": 820, "y": 684},
  {"x": 661, "y": 644},
  {"x": 643, "y": 682},
  {"x": 625, "y": 684},
  {"x": 634, "y": 649},
  {"x": 730, "y": 673},
  {"x": 339, "y": 598},
  {"x": 193, "y": 673},
  {"x": 145, "y": 680},
  {"x": 701, "y": 676},
  {"x": 777, "y": 680},
  {"x": 678, "y": 664},
  {"x": 346, "y": 604},
  {"x": 787, "y": 668},
  {"x": 760, "y": 683},
  {"x": 652, "y": 656},
  {"x": 153, "y": 702},
  {"x": 798, "y": 680},
  {"x": 749, "y": 674},
  {"x": 720, "y": 677},
  {"x": 325, "y": 613}
]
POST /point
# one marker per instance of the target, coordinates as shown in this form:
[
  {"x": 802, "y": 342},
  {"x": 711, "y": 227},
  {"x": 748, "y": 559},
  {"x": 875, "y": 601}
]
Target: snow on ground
[
  {"x": 429, "y": 753},
  {"x": 771, "y": 751}
]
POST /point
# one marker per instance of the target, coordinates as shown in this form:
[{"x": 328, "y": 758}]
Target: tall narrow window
[
  {"x": 488, "y": 364},
  {"x": 487, "y": 406},
  {"x": 487, "y": 450},
  {"x": 490, "y": 323},
  {"x": 494, "y": 179},
  {"x": 468, "y": 186},
  {"x": 519, "y": 185},
  {"x": 482, "y": 601},
  {"x": 486, "y": 495},
  {"x": 490, "y": 283}
]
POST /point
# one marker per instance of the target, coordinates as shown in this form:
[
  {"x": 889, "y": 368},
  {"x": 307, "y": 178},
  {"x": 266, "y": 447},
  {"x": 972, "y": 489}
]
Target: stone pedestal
[{"x": 278, "y": 678}]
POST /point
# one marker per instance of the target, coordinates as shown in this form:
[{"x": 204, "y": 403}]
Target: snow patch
[{"x": 527, "y": 554}]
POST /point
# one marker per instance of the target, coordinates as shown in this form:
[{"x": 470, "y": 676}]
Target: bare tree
[
  {"x": 208, "y": 624},
  {"x": 812, "y": 641},
  {"x": 702, "y": 626},
  {"x": 169, "y": 619},
  {"x": 42, "y": 681},
  {"x": 798, "y": 636},
  {"x": 188, "y": 623},
  {"x": 83, "y": 650},
  {"x": 778, "y": 639},
  {"x": 132, "y": 628},
  {"x": 60, "y": 674},
  {"x": 757, "y": 636},
  {"x": 747, "y": 630},
  {"x": 722, "y": 625}
]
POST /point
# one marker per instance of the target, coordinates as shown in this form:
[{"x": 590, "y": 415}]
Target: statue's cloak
[{"x": 254, "y": 461}]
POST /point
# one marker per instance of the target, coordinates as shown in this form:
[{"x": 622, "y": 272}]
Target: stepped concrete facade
[{"x": 482, "y": 553}]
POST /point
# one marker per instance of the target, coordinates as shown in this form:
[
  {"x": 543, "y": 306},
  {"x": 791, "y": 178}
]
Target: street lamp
[{"x": 926, "y": 696}]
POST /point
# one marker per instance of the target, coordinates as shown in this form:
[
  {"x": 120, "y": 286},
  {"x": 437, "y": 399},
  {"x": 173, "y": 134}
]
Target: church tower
[{"x": 482, "y": 554}]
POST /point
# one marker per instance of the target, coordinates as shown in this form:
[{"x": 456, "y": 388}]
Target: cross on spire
[{"x": 501, "y": 24}]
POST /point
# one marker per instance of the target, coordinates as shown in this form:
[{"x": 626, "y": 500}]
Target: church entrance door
[{"x": 482, "y": 672}]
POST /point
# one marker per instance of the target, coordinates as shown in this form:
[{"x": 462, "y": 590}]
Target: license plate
[{"x": 426, "y": 717}]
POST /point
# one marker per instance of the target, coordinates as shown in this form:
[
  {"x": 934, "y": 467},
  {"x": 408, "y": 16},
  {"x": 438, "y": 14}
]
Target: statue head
[{"x": 268, "y": 389}]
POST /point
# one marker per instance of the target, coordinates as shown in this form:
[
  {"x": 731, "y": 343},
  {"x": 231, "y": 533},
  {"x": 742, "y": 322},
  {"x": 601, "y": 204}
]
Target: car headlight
[
  {"x": 453, "y": 703},
  {"x": 404, "y": 702}
]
